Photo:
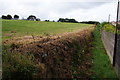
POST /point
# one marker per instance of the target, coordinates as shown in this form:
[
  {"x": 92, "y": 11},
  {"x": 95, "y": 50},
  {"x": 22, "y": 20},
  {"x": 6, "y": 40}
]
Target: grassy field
[{"x": 16, "y": 28}]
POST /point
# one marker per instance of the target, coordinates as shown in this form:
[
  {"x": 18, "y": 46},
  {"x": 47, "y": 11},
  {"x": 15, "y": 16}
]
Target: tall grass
[{"x": 102, "y": 67}]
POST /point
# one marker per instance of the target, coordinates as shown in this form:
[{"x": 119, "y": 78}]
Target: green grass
[
  {"x": 40, "y": 28},
  {"x": 102, "y": 67}
]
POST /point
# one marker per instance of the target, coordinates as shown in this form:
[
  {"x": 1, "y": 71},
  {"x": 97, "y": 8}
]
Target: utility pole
[
  {"x": 109, "y": 18},
  {"x": 115, "y": 44}
]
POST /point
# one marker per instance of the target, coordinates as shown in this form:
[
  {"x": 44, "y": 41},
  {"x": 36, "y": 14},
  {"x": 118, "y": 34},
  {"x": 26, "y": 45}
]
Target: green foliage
[
  {"x": 31, "y": 17},
  {"x": 79, "y": 60},
  {"x": 67, "y": 20},
  {"x": 4, "y": 17},
  {"x": 91, "y": 22},
  {"x": 109, "y": 28},
  {"x": 17, "y": 65},
  {"x": 104, "y": 23},
  {"x": 7, "y": 17},
  {"x": 16, "y": 17},
  {"x": 100, "y": 26},
  {"x": 102, "y": 67}
]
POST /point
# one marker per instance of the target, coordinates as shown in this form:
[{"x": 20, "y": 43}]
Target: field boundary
[
  {"x": 108, "y": 39},
  {"x": 67, "y": 56}
]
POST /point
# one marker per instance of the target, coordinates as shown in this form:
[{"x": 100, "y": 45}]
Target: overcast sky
[{"x": 81, "y": 10}]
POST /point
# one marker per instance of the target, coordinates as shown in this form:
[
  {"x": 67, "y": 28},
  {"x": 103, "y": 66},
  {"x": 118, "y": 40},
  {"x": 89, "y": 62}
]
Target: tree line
[
  {"x": 34, "y": 18},
  {"x": 90, "y": 22},
  {"x": 67, "y": 20},
  {"x": 10, "y": 17},
  {"x": 16, "y": 17}
]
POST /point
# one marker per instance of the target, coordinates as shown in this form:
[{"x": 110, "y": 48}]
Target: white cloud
[{"x": 54, "y": 9}]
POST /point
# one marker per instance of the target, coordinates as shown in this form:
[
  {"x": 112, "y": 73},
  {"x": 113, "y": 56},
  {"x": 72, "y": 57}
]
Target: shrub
[
  {"x": 109, "y": 27},
  {"x": 17, "y": 66}
]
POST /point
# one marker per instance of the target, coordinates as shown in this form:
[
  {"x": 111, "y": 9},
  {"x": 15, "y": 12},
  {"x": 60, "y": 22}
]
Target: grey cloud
[
  {"x": 69, "y": 6},
  {"x": 33, "y": 4},
  {"x": 43, "y": 9}
]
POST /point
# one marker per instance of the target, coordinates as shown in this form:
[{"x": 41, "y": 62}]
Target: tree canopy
[
  {"x": 90, "y": 22},
  {"x": 6, "y": 17},
  {"x": 67, "y": 20},
  {"x": 16, "y": 17},
  {"x": 31, "y": 17}
]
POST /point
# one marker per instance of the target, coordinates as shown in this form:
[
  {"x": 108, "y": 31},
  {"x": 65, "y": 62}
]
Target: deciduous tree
[{"x": 16, "y": 17}]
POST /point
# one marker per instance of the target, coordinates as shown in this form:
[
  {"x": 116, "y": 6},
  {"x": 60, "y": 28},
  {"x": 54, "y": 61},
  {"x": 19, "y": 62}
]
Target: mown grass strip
[
  {"x": 18, "y": 28},
  {"x": 101, "y": 66}
]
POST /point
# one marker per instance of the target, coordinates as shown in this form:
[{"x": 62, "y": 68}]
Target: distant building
[{"x": 114, "y": 23}]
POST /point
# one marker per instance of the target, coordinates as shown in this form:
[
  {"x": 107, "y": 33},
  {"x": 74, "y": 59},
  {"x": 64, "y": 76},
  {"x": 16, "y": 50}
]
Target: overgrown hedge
[{"x": 63, "y": 57}]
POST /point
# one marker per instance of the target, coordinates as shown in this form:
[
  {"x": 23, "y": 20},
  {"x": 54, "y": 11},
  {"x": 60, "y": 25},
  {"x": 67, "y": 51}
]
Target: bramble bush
[
  {"x": 109, "y": 28},
  {"x": 17, "y": 65}
]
